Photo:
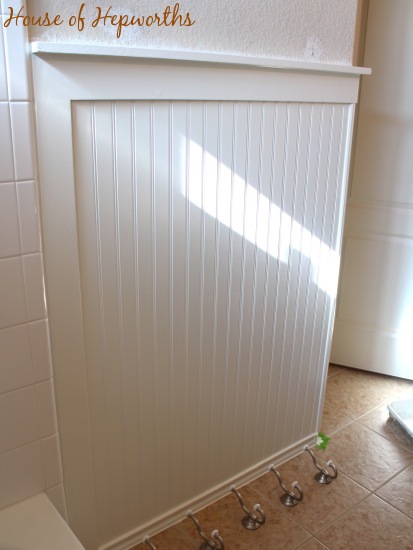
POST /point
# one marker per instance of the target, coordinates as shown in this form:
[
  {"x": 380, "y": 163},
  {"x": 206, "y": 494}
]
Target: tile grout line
[
  {"x": 365, "y": 497},
  {"x": 393, "y": 477},
  {"x": 394, "y": 507},
  {"x": 385, "y": 437}
]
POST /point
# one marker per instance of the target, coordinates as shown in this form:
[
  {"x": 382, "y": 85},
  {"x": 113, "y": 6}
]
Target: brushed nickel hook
[
  {"x": 289, "y": 498},
  {"x": 250, "y": 521},
  {"x": 147, "y": 541},
  {"x": 208, "y": 543},
  {"x": 323, "y": 476}
]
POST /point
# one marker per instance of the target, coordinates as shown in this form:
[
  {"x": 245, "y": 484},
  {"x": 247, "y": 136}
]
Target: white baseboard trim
[{"x": 158, "y": 524}]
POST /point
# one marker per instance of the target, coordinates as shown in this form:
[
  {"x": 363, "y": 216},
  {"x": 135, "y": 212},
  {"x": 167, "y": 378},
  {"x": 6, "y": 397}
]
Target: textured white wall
[{"x": 313, "y": 30}]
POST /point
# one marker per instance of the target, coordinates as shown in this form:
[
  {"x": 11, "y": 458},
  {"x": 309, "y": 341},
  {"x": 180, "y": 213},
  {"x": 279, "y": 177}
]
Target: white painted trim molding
[
  {"x": 181, "y": 55},
  {"x": 178, "y": 514}
]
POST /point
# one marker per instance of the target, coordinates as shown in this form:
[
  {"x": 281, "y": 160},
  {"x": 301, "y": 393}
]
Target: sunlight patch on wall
[{"x": 224, "y": 195}]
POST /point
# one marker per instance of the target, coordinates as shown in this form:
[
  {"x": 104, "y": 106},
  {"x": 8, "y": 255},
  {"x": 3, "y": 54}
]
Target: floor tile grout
[
  {"x": 344, "y": 513},
  {"x": 391, "y": 478},
  {"x": 383, "y": 436},
  {"x": 391, "y": 506}
]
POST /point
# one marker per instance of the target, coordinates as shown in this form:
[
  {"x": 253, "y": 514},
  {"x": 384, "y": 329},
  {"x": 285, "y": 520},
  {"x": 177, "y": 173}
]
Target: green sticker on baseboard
[{"x": 322, "y": 441}]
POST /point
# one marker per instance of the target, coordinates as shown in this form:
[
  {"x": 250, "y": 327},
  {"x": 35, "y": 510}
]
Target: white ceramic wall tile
[
  {"x": 40, "y": 347},
  {"x": 15, "y": 4},
  {"x": 15, "y": 42},
  {"x": 21, "y": 474},
  {"x": 52, "y": 460},
  {"x": 6, "y": 145},
  {"x": 12, "y": 293},
  {"x": 23, "y": 142},
  {"x": 34, "y": 284},
  {"x": 27, "y": 411},
  {"x": 57, "y": 498},
  {"x": 9, "y": 221},
  {"x": 46, "y": 409},
  {"x": 18, "y": 419},
  {"x": 3, "y": 74},
  {"x": 28, "y": 217},
  {"x": 15, "y": 358}
]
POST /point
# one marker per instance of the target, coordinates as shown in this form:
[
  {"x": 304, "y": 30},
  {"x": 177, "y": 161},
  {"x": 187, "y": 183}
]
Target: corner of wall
[{"x": 360, "y": 32}]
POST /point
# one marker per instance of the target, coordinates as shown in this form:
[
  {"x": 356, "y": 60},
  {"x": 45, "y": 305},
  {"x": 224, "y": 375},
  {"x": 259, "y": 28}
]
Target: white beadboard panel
[
  {"x": 21, "y": 474},
  {"x": 12, "y": 301},
  {"x": 34, "y": 286},
  {"x": 9, "y": 221},
  {"x": 40, "y": 350},
  {"x": 28, "y": 216},
  {"x": 209, "y": 237},
  {"x": 18, "y": 419},
  {"x": 23, "y": 144},
  {"x": 15, "y": 358},
  {"x": 17, "y": 63},
  {"x": 3, "y": 71},
  {"x": 6, "y": 145}
]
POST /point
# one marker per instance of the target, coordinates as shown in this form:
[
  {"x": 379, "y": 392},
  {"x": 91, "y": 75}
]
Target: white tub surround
[
  {"x": 192, "y": 214},
  {"x": 36, "y": 524}
]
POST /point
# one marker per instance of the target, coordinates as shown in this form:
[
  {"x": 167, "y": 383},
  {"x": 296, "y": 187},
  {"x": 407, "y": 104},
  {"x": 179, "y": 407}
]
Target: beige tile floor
[{"x": 370, "y": 504}]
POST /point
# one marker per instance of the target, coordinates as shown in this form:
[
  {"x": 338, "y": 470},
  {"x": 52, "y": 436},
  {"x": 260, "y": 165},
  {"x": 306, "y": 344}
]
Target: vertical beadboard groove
[
  {"x": 171, "y": 294},
  {"x": 279, "y": 389},
  {"x": 328, "y": 238},
  {"x": 289, "y": 310},
  {"x": 311, "y": 292},
  {"x": 135, "y": 229},
  {"x": 290, "y": 319},
  {"x": 229, "y": 285},
  {"x": 152, "y": 153},
  {"x": 241, "y": 308},
  {"x": 324, "y": 298},
  {"x": 274, "y": 371},
  {"x": 254, "y": 371},
  {"x": 249, "y": 367},
  {"x": 294, "y": 307},
  {"x": 322, "y": 232},
  {"x": 334, "y": 212},
  {"x": 313, "y": 225},
  {"x": 118, "y": 275},
  {"x": 229, "y": 322},
  {"x": 101, "y": 308},
  {"x": 200, "y": 360},
  {"x": 214, "y": 399},
  {"x": 257, "y": 426},
  {"x": 308, "y": 278},
  {"x": 187, "y": 249},
  {"x": 249, "y": 313}
]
